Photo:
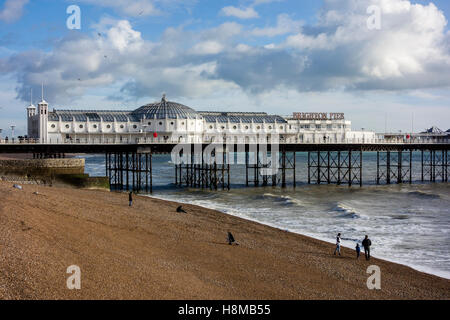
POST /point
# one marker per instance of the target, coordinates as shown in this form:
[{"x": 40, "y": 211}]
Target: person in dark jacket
[
  {"x": 338, "y": 244},
  {"x": 130, "y": 198},
  {"x": 366, "y": 244},
  {"x": 230, "y": 239},
  {"x": 181, "y": 210},
  {"x": 358, "y": 251}
]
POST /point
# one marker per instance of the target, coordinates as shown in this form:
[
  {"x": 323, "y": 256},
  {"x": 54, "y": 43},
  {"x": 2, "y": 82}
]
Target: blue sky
[{"x": 278, "y": 56}]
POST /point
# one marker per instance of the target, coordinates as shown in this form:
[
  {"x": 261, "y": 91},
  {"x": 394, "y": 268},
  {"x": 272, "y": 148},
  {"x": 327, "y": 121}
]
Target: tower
[
  {"x": 31, "y": 115},
  {"x": 43, "y": 118}
]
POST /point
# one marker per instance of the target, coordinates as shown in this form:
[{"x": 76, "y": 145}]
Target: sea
[{"x": 407, "y": 223}]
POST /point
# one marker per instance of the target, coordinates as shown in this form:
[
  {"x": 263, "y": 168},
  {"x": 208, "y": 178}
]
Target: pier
[{"x": 210, "y": 166}]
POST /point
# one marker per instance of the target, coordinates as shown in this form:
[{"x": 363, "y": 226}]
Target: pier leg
[
  {"x": 423, "y": 177},
  {"x": 446, "y": 165},
  {"x": 127, "y": 169},
  {"x": 378, "y": 167},
  {"x": 410, "y": 166},
  {"x": 246, "y": 167},
  {"x": 388, "y": 167},
  {"x": 319, "y": 173},
  {"x": 294, "y": 175},
  {"x": 328, "y": 168},
  {"x": 283, "y": 168},
  {"x": 360, "y": 168},
  {"x": 339, "y": 167},
  {"x": 350, "y": 175},
  {"x": 309, "y": 167}
]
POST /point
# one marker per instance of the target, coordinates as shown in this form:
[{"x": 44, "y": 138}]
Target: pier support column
[{"x": 395, "y": 166}]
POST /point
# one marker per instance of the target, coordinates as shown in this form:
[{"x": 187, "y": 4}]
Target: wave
[
  {"x": 423, "y": 195},
  {"x": 347, "y": 211},
  {"x": 286, "y": 200}
]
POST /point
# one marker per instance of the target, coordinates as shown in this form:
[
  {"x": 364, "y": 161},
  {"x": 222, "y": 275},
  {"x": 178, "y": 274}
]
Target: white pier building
[{"x": 171, "y": 122}]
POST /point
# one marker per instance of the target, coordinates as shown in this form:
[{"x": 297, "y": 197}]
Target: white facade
[{"x": 169, "y": 122}]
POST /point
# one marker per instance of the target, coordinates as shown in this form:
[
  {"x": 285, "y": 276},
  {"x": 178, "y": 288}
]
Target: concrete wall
[{"x": 42, "y": 166}]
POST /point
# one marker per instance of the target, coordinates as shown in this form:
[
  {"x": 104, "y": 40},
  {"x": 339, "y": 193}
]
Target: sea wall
[
  {"x": 42, "y": 167},
  {"x": 67, "y": 171}
]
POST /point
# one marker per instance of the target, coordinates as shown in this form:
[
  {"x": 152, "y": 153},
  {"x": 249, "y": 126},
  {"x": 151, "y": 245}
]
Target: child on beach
[
  {"x": 358, "y": 250},
  {"x": 338, "y": 244}
]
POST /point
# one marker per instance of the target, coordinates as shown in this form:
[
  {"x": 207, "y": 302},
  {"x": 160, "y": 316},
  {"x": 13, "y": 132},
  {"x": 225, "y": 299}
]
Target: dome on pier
[{"x": 166, "y": 110}]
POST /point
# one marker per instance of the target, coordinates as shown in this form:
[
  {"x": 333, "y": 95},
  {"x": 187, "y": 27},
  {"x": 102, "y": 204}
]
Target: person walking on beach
[
  {"x": 338, "y": 244},
  {"x": 358, "y": 250},
  {"x": 366, "y": 244},
  {"x": 130, "y": 198}
]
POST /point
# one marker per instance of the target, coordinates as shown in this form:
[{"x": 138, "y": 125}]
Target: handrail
[{"x": 162, "y": 141}]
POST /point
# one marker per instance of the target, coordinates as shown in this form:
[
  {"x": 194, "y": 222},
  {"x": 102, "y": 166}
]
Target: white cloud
[
  {"x": 208, "y": 47},
  {"x": 285, "y": 25},
  {"x": 12, "y": 10},
  {"x": 410, "y": 52},
  {"x": 133, "y": 8},
  {"x": 241, "y": 13}
]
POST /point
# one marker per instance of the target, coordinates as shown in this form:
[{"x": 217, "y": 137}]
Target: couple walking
[{"x": 366, "y": 244}]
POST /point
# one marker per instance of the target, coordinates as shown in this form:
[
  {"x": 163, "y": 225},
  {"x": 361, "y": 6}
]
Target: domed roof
[{"x": 166, "y": 110}]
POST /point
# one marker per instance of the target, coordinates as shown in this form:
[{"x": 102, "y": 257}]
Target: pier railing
[{"x": 162, "y": 141}]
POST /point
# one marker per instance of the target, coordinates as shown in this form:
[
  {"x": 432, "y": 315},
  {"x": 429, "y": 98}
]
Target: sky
[{"x": 384, "y": 63}]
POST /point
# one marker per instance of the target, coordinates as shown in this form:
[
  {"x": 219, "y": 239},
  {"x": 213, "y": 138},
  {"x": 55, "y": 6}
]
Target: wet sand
[{"x": 150, "y": 251}]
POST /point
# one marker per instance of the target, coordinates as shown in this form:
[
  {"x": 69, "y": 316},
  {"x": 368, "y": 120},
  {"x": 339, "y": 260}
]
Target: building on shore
[{"x": 171, "y": 122}]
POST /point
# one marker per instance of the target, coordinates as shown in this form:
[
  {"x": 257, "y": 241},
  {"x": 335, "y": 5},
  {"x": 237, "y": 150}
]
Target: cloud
[
  {"x": 338, "y": 53},
  {"x": 141, "y": 8},
  {"x": 244, "y": 13},
  {"x": 284, "y": 26},
  {"x": 132, "y": 8},
  {"x": 411, "y": 51},
  {"x": 80, "y": 62},
  {"x": 12, "y": 10}
]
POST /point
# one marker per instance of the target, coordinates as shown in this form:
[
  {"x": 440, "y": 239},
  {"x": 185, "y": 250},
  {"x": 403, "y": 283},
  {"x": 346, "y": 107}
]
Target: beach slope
[{"x": 150, "y": 251}]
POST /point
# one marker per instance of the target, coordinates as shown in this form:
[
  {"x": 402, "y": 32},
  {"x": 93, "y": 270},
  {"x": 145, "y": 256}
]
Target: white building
[{"x": 170, "y": 122}]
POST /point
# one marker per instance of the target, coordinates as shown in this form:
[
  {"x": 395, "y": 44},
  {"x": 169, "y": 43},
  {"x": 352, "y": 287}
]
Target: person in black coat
[
  {"x": 366, "y": 244},
  {"x": 230, "y": 239},
  {"x": 130, "y": 198}
]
